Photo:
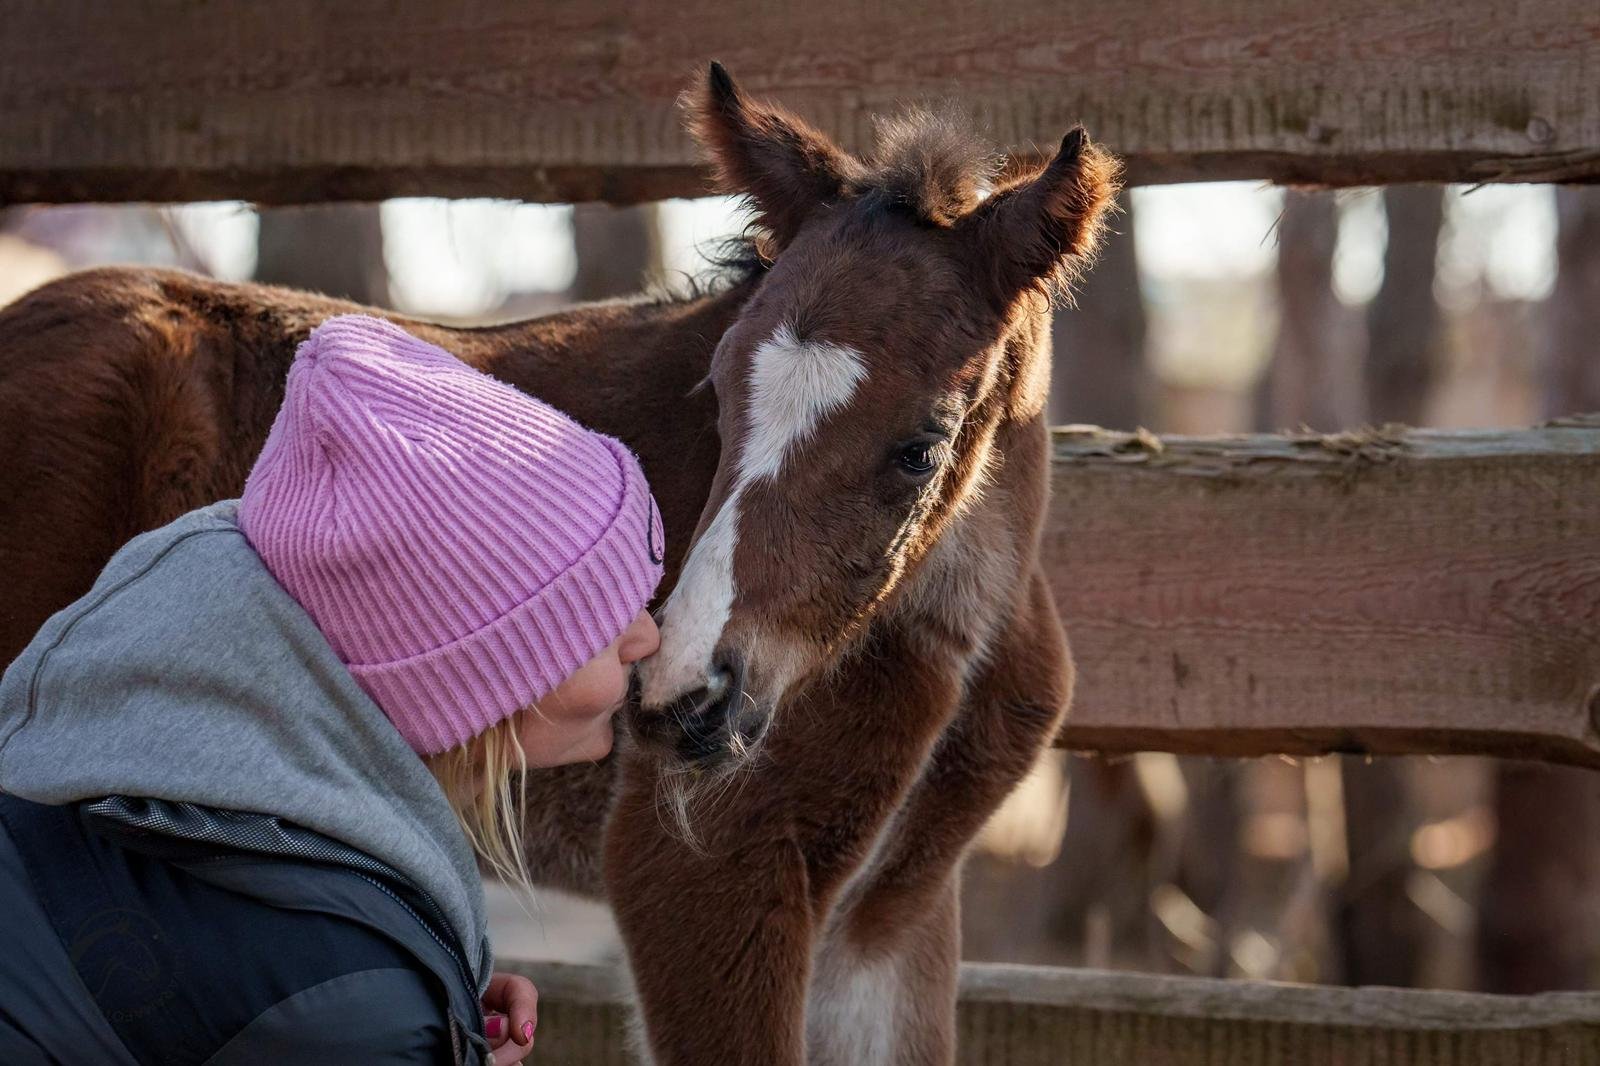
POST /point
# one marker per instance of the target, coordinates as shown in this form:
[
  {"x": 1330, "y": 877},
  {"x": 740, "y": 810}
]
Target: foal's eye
[{"x": 917, "y": 458}]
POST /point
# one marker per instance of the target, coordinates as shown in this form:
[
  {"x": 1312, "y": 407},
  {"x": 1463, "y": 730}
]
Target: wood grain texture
[
  {"x": 1021, "y": 1016},
  {"x": 1387, "y": 592},
  {"x": 299, "y": 100}
]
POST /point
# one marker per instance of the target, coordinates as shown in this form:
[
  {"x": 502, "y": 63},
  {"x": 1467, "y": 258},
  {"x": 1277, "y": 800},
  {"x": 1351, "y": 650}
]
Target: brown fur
[{"x": 923, "y": 664}]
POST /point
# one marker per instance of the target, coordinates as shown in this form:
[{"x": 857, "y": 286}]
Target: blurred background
[{"x": 1216, "y": 308}]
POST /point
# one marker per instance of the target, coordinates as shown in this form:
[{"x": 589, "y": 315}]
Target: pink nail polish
[
  {"x": 527, "y": 1032},
  {"x": 494, "y": 1026}
]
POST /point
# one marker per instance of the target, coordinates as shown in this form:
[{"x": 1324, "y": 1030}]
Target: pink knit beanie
[{"x": 463, "y": 546}]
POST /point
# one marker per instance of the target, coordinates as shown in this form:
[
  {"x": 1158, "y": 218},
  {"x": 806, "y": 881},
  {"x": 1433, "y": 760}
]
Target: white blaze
[
  {"x": 695, "y": 613},
  {"x": 793, "y": 385}
]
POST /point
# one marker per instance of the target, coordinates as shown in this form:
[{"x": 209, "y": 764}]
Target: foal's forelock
[{"x": 792, "y": 386}]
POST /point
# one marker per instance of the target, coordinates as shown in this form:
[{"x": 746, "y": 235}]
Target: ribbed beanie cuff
[{"x": 528, "y": 651}]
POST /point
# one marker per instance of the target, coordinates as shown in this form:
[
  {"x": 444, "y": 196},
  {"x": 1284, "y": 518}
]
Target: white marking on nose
[
  {"x": 696, "y": 612},
  {"x": 793, "y": 385}
]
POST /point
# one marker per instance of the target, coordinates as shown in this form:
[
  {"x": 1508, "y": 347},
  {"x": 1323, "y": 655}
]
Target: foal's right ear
[
  {"x": 1040, "y": 233},
  {"x": 787, "y": 168}
]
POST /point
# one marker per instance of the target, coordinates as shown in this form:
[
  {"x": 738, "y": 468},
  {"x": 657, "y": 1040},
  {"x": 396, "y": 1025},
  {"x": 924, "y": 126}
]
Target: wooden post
[
  {"x": 1538, "y": 928},
  {"x": 618, "y": 250},
  {"x": 334, "y": 249},
  {"x": 1403, "y": 320},
  {"x": 1312, "y": 381},
  {"x": 1099, "y": 375},
  {"x": 1379, "y": 932}
]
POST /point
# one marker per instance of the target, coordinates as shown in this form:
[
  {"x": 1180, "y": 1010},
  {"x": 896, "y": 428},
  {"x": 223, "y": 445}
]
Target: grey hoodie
[{"x": 188, "y": 675}]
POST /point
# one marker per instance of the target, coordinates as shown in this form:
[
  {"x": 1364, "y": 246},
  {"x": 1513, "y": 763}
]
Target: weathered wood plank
[
  {"x": 1401, "y": 592},
  {"x": 1021, "y": 1015},
  {"x": 299, "y": 100}
]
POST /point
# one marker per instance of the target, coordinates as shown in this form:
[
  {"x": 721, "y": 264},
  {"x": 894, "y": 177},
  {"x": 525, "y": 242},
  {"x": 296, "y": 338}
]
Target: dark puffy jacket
[{"x": 213, "y": 846}]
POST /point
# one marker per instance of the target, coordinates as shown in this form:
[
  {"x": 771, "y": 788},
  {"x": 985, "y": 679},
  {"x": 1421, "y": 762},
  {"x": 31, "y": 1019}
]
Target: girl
[{"x": 245, "y": 782}]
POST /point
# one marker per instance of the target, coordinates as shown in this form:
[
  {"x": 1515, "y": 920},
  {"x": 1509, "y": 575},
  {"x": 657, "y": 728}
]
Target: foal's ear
[
  {"x": 1042, "y": 232},
  {"x": 787, "y": 168}
]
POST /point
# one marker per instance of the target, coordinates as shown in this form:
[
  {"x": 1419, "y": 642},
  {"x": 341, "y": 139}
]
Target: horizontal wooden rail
[
  {"x": 1019, "y": 1015},
  {"x": 1391, "y": 592},
  {"x": 301, "y": 100}
]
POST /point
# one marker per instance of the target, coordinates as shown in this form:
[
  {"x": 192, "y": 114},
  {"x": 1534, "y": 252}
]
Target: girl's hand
[{"x": 511, "y": 1014}]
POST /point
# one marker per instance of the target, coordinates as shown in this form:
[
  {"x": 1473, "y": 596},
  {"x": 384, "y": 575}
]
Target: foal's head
[{"x": 903, "y": 321}]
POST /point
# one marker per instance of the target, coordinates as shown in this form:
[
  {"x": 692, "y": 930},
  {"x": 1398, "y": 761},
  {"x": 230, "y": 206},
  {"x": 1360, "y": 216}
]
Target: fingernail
[
  {"x": 494, "y": 1026},
  {"x": 527, "y": 1032}
]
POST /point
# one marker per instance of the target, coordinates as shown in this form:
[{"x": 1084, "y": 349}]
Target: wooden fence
[
  {"x": 1381, "y": 592},
  {"x": 1037, "y": 1016},
  {"x": 301, "y": 100},
  {"x": 1402, "y": 592}
]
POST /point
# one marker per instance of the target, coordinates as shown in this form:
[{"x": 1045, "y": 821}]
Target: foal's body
[{"x": 802, "y": 906}]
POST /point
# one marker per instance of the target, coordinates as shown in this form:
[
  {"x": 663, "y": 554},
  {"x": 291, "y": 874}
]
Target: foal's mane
[{"x": 932, "y": 163}]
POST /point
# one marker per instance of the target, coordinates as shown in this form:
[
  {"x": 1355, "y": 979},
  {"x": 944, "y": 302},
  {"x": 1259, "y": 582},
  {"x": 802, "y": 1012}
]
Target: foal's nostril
[
  {"x": 707, "y": 721},
  {"x": 725, "y": 680},
  {"x": 709, "y": 724}
]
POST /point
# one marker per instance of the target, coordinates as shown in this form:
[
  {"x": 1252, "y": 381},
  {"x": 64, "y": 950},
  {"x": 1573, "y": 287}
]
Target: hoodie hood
[{"x": 187, "y": 674}]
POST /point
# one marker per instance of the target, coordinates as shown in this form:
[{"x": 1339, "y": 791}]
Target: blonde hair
[{"x": 484, "y": 781}]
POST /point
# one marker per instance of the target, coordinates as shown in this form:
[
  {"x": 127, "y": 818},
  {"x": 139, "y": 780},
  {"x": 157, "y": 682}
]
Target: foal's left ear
[
  {"x": 787, "y": 168},
  {"x": 1041, "y": 232}
]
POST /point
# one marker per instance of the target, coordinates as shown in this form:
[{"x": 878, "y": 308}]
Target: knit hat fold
[{"x": 463, "y": 546}]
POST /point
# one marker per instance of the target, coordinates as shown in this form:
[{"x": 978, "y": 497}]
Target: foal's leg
[
  {"x": 719, "y": 947},
  {"x": 720, "y": 941},
  {"x": 1011, "y": 713},
  {"x": 892, "y": 1001}
]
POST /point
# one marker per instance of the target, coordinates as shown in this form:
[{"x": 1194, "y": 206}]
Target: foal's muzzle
[{"x": 706, "y": 725}]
